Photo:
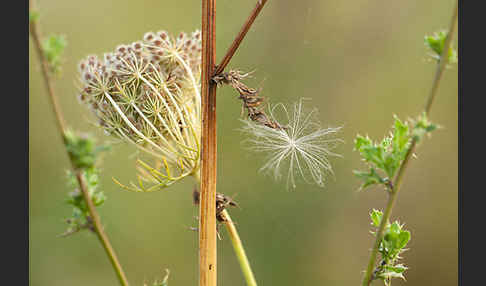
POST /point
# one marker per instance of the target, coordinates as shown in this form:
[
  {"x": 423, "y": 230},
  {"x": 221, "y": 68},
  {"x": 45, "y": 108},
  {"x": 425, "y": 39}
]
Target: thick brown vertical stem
[{"x": 207, "y": 207}]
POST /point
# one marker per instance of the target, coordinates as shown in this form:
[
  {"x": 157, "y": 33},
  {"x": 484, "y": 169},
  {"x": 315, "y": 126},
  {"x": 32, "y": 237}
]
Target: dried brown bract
[{"x": 250, "y": 97}]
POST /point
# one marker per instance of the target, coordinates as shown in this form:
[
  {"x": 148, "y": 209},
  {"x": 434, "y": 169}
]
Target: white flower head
[{"x": 301, "y": 149}]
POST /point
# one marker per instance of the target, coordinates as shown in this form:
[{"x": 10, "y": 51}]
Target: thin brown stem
[
  {"x": 207, "y": 207},
  {"x": 98, "y": 227},
  {"x": 34, "y": 31},
  {"x": 443, "y": 61},
  {"x": 241, "y": 35},
  {"x": 401, "y": 171}
]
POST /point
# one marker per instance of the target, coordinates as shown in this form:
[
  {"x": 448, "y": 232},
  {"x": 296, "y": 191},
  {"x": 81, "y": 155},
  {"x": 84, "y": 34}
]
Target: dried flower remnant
[
  {"x": 250, "y": 97},
  {"x": 222, "y": 201},
  {"x": 148, "y": 93},
  {"x": 303, "y": 147}
]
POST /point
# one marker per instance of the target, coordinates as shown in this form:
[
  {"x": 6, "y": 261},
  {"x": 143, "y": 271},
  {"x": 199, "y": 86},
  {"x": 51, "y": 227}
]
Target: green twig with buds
[
  {"x": 83, "y": 153},
  {"x": 393, "y": 155},
  {"x": 49, "y": 54}
]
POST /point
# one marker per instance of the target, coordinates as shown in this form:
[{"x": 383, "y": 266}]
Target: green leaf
[
  {"x": 436, "y": 41},
  {"x": 370, "y": 178},
  {"x": 98, "y": 198},
  {"x": 403, "y": 239},
  {"x": 374, "y": 154},
  {"x": 385, "y": 156},
  {"x": 390, "y": 165},
  {"x": 422, "y": 126},
  {"x": 83, "y": 154},
  {"x": 33, "y": 16},
  {"x": 395, "y": 228},
  {"x": 369, "y": 151},
  {"x": 400, "y": 136},
  {"x": 376, "y": 216},
  {"x": 75, "y": 198},
  {"x": 436, "y": 44},
  {"x": 361, "y": 142},
  {"x": 399, "y": 268},
  {"x": 83, "y": 151},
  {"x": 53, "y": 48},
  {"x": 452, "y": 56}
]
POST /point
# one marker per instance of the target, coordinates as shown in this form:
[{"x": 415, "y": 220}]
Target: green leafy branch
[
  {"x": 384, "y": 158},
  {"x": 82, "y": 150},
  {"x": 53, "y": 48},
  {"x": 436, "y": 42},
  {"x": 392, "y": 244},
  {"x": 389, "y": 159},
  {"x": 83, "y": 153}
]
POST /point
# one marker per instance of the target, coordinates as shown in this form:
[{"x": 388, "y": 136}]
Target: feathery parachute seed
[
  {"x": 148, "y": 93},
  {"x": 301, "y": 147}
]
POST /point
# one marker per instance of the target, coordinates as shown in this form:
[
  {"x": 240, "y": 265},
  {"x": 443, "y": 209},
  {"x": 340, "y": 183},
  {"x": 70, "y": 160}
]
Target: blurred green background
[{"x": 360, "y": 61}]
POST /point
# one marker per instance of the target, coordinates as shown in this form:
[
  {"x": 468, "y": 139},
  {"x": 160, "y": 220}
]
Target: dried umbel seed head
[{"x": 148, "y": 93}]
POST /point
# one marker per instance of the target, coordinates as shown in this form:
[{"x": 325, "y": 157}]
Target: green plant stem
[
  {"x": 399, "y": 177},
  {"x": 34, "y": 31},
  {"x": 239, "y": 249}
]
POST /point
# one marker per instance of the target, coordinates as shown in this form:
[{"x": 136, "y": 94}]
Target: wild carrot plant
[{"x": 158, "y": 94}]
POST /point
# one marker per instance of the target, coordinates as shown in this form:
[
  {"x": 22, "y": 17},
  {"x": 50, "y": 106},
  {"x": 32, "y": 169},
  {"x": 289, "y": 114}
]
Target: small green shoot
[
  {"x": 436, "y": 42},
  {"x": 422, "y": 126},
  {"x": 33, "y": 16},
  {"x": 385, "y": 157},
  {"x": 83, "y": 152},
  {"x": 53, "y": 48}
]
